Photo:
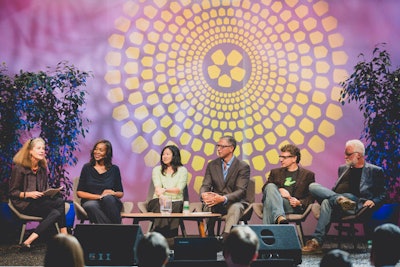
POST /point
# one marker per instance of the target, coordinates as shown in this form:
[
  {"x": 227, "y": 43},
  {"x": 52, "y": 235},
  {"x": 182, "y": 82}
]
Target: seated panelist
[
  {"x": 29, "y": 179},
  {"x": 100, "y": 186},
  {"x": 169, "y": 180}
]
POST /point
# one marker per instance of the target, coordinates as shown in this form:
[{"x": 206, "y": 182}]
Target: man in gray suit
[
  {"x": 224, "y": 185},
  {"x": 360, "y": 184}
]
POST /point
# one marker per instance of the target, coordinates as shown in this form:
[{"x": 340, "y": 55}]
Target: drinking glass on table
[{"x": 165, "y": 204}]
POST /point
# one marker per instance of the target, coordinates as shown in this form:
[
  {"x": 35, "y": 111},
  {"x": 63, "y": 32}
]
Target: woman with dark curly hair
[{"x": 100, "y": 186}]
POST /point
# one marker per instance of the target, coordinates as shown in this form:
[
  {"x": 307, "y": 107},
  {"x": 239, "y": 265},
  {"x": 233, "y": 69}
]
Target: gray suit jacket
[
  {"x": 372, "y": 184},
  {"x": 235, "y": 186}
]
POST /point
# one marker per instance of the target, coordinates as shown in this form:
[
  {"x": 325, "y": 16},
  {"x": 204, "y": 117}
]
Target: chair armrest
[
  {"x": 247, "y": 213},
  {"x": 80, "y": 211},
  {"x": 258, "y": 209},
  {"x": 142, "y": 206},
  {"x": 127, "y": 206}
]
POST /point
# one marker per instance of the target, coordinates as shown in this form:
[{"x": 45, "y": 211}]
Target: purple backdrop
[{"x": 173, "y": 72}]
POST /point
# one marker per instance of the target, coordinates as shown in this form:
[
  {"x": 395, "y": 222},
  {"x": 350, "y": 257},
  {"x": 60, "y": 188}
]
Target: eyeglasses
[
  {"x": 349, "y": 154},
  {"x": 286, "y": 157},
  {"x": 221, "y": 146}
]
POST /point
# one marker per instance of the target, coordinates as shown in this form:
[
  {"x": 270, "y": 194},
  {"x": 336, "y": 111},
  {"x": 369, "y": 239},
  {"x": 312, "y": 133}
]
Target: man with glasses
[
  {"x": 360, "y": 184},
  {"x": 224, "y": 185},
  {"x": 286, "y": 190}
]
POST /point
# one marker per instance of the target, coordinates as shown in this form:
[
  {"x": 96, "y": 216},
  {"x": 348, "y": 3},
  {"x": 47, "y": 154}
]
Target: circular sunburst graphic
[{"x": 189, "y": 72}]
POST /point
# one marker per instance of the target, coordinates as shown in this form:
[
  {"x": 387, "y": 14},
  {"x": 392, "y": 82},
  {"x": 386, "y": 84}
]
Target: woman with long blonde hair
[{"x": 29, "y": 179}]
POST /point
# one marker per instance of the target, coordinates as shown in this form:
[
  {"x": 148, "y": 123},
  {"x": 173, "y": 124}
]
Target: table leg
[{"x": 202, "y": 231}]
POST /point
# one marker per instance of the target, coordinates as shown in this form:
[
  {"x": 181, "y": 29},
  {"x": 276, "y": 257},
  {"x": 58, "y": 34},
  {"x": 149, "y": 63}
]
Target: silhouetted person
[
  {"x": 240, "y": 247},
  {"x": 152, "y": 250},
  {"x": 336, "y": 258},
  {"x": 64, "y": 251},
  {"x": 385, "y": 250}
]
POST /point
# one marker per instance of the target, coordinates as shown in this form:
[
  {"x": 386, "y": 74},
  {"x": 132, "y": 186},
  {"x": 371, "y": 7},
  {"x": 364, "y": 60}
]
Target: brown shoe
[
  {"x": 312, "y": 247},
  {"x": 346, "y": 203},
  {"x": 282, "y": 220}
]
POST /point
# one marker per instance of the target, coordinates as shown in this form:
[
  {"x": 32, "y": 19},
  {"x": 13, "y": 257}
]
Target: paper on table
[{"x": 51, "y": 192}]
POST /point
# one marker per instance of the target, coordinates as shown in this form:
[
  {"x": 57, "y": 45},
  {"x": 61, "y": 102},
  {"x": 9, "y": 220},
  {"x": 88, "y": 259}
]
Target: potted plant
[
  {"x": 49, "y": 104},
  {"x": 376, "y": 89}
]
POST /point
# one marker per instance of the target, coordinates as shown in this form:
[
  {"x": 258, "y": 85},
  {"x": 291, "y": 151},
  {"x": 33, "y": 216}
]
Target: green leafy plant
[
  {"x": 50, "y": 102},
  {"x": 376, "y": 89},
  {"x": 9, "y": 125}
]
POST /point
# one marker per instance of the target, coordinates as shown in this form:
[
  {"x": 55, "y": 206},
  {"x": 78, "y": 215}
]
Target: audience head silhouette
[
  {"x": 152, "y": 250},
  {"x": 240, "y": 246},
  {"x": 64, "y": 251},
  {"x": 385, "y": 245},
  {"x": 336, "y": 258}
]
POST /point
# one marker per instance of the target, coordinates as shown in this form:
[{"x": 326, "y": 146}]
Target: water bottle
[{"x": 186, "y": 207}]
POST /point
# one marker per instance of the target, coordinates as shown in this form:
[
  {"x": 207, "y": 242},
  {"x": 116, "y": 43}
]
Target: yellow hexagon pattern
[{"x": 189, "y": 72}]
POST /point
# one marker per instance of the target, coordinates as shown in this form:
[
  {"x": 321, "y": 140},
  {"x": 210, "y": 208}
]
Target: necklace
[{"x": 35, "y": 169}]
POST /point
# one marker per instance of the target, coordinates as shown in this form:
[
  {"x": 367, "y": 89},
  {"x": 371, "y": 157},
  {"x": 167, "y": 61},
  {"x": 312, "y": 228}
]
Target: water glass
[{"x": 165, "y": 205}]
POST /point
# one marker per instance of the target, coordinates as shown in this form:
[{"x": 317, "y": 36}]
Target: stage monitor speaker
[
  {"x": 277, "y": 241},
  {"x": 109, "y": 244},
  {"x": 222, "y": 263},
  {"x": 196, "y": 248}
]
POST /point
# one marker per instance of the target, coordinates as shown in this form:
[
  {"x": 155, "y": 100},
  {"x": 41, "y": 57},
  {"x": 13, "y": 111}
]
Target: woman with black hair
[
  {"x": 100, "y": 186},
  {"x": 169, "y": 180}
]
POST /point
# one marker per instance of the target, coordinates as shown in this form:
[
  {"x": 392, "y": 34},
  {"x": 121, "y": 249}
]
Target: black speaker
[
  {"x": 196, "y": 248},
  {"x": 222, "y": 263},
  {"x": 109, "y": 244},
  {"x": 278, "y": 242}
]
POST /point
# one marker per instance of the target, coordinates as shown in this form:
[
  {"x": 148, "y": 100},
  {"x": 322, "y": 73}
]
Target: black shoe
[
  {"x": 221, "y": 240},
  {"x": 25, "y": 248},
  {"x": 224, "y": 236}
]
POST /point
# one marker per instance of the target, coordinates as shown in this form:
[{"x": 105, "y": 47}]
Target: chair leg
[
  {"x": 300, "y": 233},
  {"x": 340, "y": 230},
  {"x": 57, "y": 227},
  {"x": 353, "y": 234},
  {"x": 183, "y": 229},
  {"x": 151, "y": 226},
  {"x": 21, "y": 237}
]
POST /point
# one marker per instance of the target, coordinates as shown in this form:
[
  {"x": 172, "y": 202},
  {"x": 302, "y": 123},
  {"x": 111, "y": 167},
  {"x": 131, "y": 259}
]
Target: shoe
[
  {"x": 282, "y": 220},
  {"x": 346, "y": 203},
  {"x": 221, "y": 239},
  {"x": 312, "y": 247},
  {"x": 25, "y": 248}
]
